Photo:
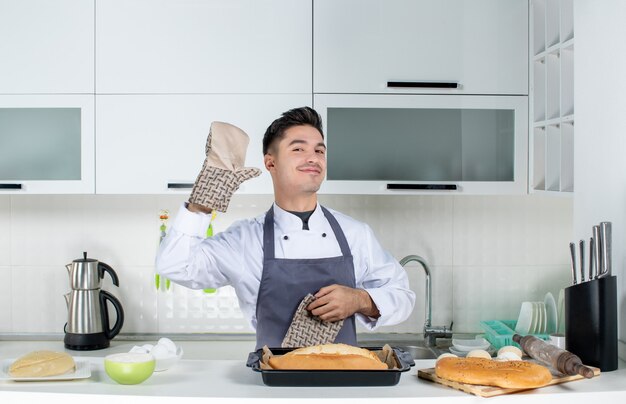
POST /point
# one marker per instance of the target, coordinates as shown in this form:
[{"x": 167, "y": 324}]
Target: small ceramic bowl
[{"x": 129, "y": 368}]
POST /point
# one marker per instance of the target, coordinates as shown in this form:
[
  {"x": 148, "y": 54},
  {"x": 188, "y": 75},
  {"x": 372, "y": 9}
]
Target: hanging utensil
[
  {"x": 163, "y": 217},
  {"x": 209, "y": 233},
  {"x": 572, "y": 251}
]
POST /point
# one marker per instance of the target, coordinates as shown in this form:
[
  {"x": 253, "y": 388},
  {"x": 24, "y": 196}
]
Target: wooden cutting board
[{"x": 491, "y": 391}]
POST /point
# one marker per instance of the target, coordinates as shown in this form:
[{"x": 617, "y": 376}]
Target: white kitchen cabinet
[
  {"x": 203, "y": 46},
  {"x": 389, "y": 144},
  {"x": 46, "y": 144},
  {"x": 154, "y": 144},
  {"x": 362, "y": 45},
  {"x": 552, "y": 96},
  {"x": 46, "y": 46}
]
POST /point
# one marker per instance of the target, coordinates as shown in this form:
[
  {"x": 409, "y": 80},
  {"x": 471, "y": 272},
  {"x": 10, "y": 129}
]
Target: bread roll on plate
[
  {"x": 328, "y": 357},
  {"x": 487, "y": 372},
  {"x": 42, "y": 364}
]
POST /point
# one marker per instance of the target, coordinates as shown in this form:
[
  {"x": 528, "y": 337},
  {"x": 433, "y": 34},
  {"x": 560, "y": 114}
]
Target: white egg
[
  {"x": 148, "y": 347},
  {"x": 478, "y": 353},
  {"x": 508, "y": 356},
  {"x": 160, "y": 352},
  {"x": 168, "y": 344},
  {"x": 511, "y": 348},
  {"x": 138, "y": 349},
  {"x": 446, "y": 355}
]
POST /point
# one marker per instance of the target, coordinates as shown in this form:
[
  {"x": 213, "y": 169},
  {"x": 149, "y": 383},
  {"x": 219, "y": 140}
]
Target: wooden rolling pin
[{"x": 560, "y": 359}]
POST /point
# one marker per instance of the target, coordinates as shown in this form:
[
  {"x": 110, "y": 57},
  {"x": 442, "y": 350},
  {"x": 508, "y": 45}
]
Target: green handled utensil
[
  {"x": 164, "y": 215},
  {"x": 209, "y": 233}
]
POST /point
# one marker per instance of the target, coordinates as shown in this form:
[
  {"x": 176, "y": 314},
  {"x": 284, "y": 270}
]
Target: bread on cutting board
[
  {"x": 487, "y": 372},
  {"x": 42, "y": 364}
]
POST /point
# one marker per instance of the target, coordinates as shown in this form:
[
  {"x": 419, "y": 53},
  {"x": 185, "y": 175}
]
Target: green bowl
[{"x": 129, "y": 368}]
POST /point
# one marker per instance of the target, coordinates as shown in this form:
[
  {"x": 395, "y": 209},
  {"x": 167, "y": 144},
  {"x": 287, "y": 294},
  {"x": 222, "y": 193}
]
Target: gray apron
[{"x": 285, "y": 282}]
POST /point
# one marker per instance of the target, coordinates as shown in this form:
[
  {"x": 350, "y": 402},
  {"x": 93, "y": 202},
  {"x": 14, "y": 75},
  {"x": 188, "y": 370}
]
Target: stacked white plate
[{"x": 537, "y": 317}]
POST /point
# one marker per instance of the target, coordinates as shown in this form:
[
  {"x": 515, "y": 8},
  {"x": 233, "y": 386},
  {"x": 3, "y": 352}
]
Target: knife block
[{"x": 591, "y": 322}]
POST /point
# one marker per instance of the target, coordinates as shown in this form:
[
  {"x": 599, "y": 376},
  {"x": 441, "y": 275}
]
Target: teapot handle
[
  {"x": 102, "y": 268},
  {"x": 110, "y": 333}
]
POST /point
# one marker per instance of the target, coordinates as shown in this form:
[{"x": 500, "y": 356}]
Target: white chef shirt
[{"x": 235, "y": 257}]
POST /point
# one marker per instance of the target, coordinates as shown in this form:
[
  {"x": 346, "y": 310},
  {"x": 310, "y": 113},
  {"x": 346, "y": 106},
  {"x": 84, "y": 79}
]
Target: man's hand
[{"x": 337, "y": 302}]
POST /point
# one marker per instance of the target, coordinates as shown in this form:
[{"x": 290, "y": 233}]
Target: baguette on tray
[
  {"x": 487, "y": 372},
  {"x": 328, "y": 357}
]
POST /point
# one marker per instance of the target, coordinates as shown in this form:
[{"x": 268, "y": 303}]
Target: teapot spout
[
  {"x": 67, "y": 299},
  {"x": 69, "y": 268}
]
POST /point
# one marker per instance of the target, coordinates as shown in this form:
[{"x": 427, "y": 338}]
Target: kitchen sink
[{"x": 415, "y": 348}]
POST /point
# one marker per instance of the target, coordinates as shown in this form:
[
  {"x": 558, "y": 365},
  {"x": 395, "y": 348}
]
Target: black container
[
  {"x": 331, "y": 378},
  {"x": 591, "y": 322}
]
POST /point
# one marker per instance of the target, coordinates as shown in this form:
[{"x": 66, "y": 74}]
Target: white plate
[
  {"x": 561, "y": 310},
  {"x": 551, "y": 314},
  {"x": 462, "y": 354},
  {"x": 82, "y": 371},
  {"x": 524, "y": 320},
  {"x": 542, "y": 317},
  {"x": 534, "y": 325},
  {"x": 466, "y": 345}
]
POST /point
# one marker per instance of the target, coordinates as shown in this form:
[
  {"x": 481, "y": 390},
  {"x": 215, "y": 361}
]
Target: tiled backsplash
[{"x": 487, "y": 255}]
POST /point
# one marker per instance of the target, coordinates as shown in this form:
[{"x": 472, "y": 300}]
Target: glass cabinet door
[
  {"x": 468, "y": 143},
  {"x": 46, "y": 144}
]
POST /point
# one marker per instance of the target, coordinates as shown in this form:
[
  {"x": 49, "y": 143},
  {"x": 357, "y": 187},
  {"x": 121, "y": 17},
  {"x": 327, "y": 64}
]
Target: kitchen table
[{"x": 198, "y": 377}]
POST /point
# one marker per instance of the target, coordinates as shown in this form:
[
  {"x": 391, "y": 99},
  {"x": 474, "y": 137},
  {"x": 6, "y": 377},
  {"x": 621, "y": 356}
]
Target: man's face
[{"x": 298, "y": 161}]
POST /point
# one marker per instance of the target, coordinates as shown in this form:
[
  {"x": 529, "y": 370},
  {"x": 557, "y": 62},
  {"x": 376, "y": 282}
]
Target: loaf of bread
[
  {"x": 487, "y": 372},
  {"x": 328, "y": 357},
  {"x": 42, "y": 364}
]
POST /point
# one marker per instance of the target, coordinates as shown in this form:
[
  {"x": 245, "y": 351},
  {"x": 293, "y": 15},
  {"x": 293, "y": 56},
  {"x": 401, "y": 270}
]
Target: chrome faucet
[{"x": 431, "y": 333}]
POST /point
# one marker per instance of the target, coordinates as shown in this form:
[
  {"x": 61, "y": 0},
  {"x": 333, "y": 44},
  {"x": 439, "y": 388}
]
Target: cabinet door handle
[
  {"x": 179, "y": 185},
  {"x": 422, "y": 84},
  {"x": 10, "y": 186},
  {"x": 429, "y": 187}
]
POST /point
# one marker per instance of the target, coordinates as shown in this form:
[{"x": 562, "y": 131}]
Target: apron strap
[{"x": 341, "y": 238}]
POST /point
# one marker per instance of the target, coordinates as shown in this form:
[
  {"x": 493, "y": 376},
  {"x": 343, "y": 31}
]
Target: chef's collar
[{"x": 288, "y": 222}]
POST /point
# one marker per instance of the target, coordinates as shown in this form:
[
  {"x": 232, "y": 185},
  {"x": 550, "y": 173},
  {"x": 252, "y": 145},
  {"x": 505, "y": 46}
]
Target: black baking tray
[{"x": 326, "y": 378}]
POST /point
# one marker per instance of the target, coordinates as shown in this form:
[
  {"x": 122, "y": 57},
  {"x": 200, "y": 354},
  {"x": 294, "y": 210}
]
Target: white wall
[
  {"x": 487, "y": 253},
  {"x": 600, "y": 141}
]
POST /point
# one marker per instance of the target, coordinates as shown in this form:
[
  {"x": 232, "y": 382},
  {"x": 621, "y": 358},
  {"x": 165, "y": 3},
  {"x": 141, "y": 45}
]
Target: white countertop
[{"x": 226, "y": 377}]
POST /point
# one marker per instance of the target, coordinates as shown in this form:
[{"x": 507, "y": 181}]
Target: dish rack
[{"x": 500, "y": 332}]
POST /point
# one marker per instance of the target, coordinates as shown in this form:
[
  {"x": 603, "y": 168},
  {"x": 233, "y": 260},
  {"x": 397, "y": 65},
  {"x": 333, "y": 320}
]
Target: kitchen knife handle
[
  {"x": 591, "y": 258},
  {"x": 597, "y": 249},
  {"x": 572, "y": 251},
  {"x": 581, "y": 245},
  {"x": 422, "y": 84},
  {"x": 10, "y": 186},
  {"x": 605, "y": 231}
]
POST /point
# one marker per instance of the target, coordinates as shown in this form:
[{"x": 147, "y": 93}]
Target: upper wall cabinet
[
  {"x": 46, "y": 46},
  {"x": 203, "y": 46},
  {"x": 46, "y": 144},
  {"x": 421, "y": 46},
  {"x": 154, "y": 144}
]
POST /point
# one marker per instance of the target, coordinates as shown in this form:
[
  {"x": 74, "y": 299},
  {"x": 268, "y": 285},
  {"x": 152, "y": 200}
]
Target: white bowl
[
  {"x": 466, "y": 345},
  {"x": 168, "y": 362}
]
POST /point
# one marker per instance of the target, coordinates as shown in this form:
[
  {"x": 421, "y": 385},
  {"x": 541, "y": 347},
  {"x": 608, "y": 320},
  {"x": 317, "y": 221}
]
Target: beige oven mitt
[
  {"x": 223, "y": 170},
  {"x": 308, "y": 330}
]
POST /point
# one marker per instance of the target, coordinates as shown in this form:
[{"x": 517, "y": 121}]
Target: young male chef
[{"x": 297, "y": 247}]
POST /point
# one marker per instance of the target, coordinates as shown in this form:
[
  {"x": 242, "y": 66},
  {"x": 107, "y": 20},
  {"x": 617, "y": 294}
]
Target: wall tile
[
  {"x": 487, "y": 255},
  {"x": 46, "y": 230},
  {"x": 120, "y": 230},
  {"x": 6, "y": 300},
  {"x": 38, "y": 304},
  {"x": 137, "y": 294},
  {"x": 511, "y": 230},
  {"x": 5, "y": 230}
]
